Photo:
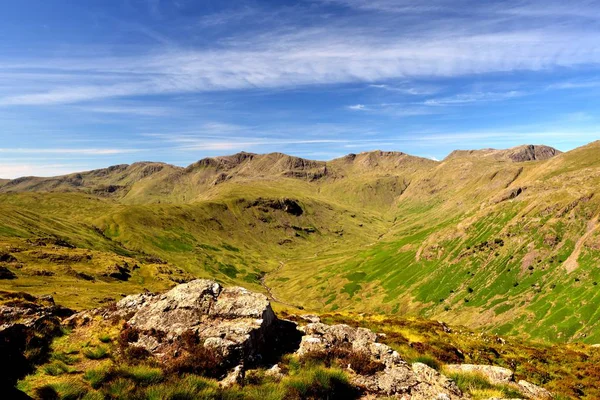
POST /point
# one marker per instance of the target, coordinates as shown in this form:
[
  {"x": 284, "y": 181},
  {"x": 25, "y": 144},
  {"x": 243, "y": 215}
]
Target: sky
[{"x": 88, "y": 84}]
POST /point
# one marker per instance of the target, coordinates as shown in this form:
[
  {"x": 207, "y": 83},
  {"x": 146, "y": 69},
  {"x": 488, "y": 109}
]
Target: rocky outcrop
[
  {"x": 531, "y": 153},
  {"x": 496, "y": 375},
  {"x": 502, "y": 376},
  {"x": 533, "y": 392},
  {"x": 395, "y": 377},
  {"x": 233, "y": 322},
  {"x": 27, "y": 326},
  {"x": 236, "y": 330},
  {"x": 286, "y": 205}
]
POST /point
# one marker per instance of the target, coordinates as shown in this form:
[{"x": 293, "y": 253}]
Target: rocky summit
[{"x": 235, "y": 334}]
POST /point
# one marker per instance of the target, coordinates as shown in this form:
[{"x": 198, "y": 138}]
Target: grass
[
  {"x": 450, "y": 237},
  {"x": 567, "y": 370},
  {"x": 564, "y": 369},
  {"x": 479, "y": 387},
  {"x": 96, "y": 353},
  {"x": 396, "y": 259},
  {"x": 56, "y": 368}
]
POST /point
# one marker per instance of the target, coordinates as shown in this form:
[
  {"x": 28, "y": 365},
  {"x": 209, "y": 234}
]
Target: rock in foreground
[
  {"x": 237, "y": 331},
  {"x": 233, "y": 322},
  {"x": 393, "y": 377}
]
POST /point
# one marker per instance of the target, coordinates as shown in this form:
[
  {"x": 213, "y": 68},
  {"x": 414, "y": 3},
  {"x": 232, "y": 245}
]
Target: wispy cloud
[
  {"x": 575, "y": 84},
  {"x": 398, "y": 110},
  {"x": 88, "y": 152},
  {"x": 314, "y": 55},
  {"x": 357, "y": 107},
  {"x": 16, "y": 170},
  {"x": 147, "y": 111},
  {"x": 411, "y": 89},
  {"x": 476, "y": 97}
]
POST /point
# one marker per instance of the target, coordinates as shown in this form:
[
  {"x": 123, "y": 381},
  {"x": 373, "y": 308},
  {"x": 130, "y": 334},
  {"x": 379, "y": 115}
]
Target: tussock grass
[{"x": 96, "y": 353}]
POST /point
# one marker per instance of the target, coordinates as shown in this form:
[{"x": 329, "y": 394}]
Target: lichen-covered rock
[
  {"x": 397, "y": 378},
  {"x": 233, "y": 322},
  {"x": 496, "y": 375},
  {"x": 27, "y": 327},
  {"x": 533, "y": 392}
]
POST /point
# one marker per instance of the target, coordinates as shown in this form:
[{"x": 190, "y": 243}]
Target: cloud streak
[
  {"x": 87, "y": 152},
  {"x": 315, "y": 55}
]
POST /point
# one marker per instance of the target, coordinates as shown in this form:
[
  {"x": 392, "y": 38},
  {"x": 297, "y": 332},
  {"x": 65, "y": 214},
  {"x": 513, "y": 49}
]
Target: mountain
[
  {"x": 515, "y": 154},
  {"x": 503, "y": 240}
]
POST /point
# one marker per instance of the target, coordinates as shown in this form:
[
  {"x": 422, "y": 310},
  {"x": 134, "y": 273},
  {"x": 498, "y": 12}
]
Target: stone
[
  {"x": 310, "y": 318},
  {"x": 274, "y": 372},
  {"x": 496, "y": 375},
  {"x": 534, "y": 392},
  {"x": 235, "y": 377},
  {"x": 233, "y": 322},
  {"x": 27, "y": 327},
  {"x": 396, "y": 378}
]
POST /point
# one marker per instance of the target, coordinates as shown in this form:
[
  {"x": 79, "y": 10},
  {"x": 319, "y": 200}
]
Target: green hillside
[{"x": 505, "y": 240}]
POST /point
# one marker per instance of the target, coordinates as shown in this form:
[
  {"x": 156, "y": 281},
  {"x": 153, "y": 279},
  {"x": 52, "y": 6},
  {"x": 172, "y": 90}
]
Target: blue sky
[{"x": 87, "y": 84}]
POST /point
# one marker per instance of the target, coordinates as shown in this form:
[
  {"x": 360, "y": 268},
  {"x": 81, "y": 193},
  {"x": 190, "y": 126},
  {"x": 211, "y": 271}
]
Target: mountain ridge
[
  {"x": 229, "y": 161},
  {"x": 478, "y": 240}
]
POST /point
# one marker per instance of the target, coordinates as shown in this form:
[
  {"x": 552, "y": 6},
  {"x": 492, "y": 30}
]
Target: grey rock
[
  {"x": 534, "y": 392},
  {"x": 418, "y": 382},
  {"x": 235, "y": 377},
  {"x": 496, "y": 375},
  {"x": 232, "y": 321}
]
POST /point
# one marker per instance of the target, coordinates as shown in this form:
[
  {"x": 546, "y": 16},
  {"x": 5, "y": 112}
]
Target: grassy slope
[
  {"x": 380, "y": 232},
  {"x": 456, "y": 253}
]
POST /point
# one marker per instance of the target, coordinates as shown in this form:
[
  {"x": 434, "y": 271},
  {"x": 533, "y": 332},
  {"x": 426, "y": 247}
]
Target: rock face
[
  {"x": 27, "y": 327},
  {"x": 496, "y": 375},
  {"x": 232, "y": 321},
  {"x": 531, "y": 153},
  {"x": 241, "y": 328},
  {"x": 534, "y": 392},
  {"x": 396, "y": 377}
]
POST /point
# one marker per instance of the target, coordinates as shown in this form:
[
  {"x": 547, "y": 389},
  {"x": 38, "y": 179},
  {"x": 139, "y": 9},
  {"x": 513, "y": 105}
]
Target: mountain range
[{"x": 503, "y": 240}]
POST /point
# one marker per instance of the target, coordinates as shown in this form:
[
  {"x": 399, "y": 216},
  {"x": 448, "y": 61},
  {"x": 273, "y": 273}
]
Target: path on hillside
[
  {"x": 572, "y": 264},
  {"x": 269, "y": 290}
]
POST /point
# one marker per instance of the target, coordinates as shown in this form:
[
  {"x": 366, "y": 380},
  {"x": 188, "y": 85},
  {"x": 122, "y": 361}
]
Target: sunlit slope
[
  {"x": 367, "y": 180},
  {"x": 511, "y": 246},
  {"x": 235, "y": 239},
  {"x": 504, "y": 239}
]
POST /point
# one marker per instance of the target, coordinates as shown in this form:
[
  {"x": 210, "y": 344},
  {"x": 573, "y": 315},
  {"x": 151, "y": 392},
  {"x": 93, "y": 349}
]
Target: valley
[{"x": 499, "y": 240}]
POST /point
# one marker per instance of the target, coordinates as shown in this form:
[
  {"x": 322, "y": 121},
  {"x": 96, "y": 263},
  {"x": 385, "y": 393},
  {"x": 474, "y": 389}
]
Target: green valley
[{"x": 503, "y": 240}]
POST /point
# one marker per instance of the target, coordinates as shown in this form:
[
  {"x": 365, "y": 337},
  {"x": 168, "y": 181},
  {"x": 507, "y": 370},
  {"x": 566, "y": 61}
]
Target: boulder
[
  {"x": 394, "y": 378},
  {"x": 27, "y": 327},
  {"x": 496, "y": 375},
  {"x": 233, "y": 322},
  {"x": 533, "y": 392}
]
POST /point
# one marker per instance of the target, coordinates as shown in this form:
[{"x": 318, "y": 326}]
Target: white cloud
[
  {"x": 130, "y": 110},
  {"x": 357, "y": 107},
  {"x": 325, "y": 54},
  {"x": 88, "y": 152},
  {"x": 414, "y": 90},
  {"x": 476, "y": 97},
  {"x": 16, "y": 170},
  {"x": 580, "y": 84}
]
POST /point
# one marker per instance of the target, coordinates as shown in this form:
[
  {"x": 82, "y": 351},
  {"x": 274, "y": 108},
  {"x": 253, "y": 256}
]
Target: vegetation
[
  {"x": 565, "y": 369},
  {"x": 480, "y": 241}
]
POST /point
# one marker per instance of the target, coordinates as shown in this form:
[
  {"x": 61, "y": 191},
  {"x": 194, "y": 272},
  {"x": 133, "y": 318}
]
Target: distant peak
[
  {"x": 532, "y": 153},
  {"x": 523, "y": 153}
]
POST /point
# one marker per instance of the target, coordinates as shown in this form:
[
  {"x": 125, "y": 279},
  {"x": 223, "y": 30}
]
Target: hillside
[{"x": 504, "y": 240}]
